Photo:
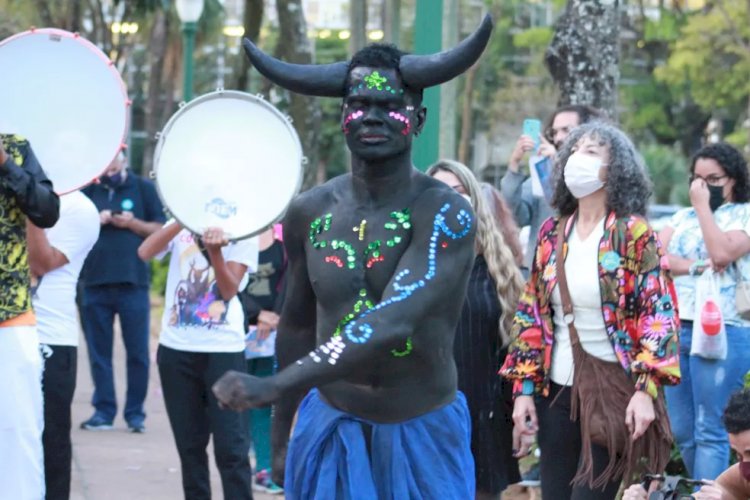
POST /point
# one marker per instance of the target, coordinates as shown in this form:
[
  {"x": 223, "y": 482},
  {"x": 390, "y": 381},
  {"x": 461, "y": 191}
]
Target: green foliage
[
  {"x": 533, "y": 38},
  {"x": 159, "y": 270},
  {"x": 747, "y": 380},
  {"x": 648, "y": 106},
  {"x": 669, "y": 173},
  {"x": 333, "y": 152},
  {"x": 665, "y": 28},
  {"x": 711, "y": 58}
]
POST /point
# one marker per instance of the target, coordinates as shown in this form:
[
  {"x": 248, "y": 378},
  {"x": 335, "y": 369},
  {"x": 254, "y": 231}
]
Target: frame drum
[
  {"x": 228, "y": 159},
  {"x": 64, "y": 95}
]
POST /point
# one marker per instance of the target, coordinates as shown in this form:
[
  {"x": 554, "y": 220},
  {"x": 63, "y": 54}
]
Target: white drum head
[
  {"x": 230, "y": 160},
  {"x": 62, "y": 93}
]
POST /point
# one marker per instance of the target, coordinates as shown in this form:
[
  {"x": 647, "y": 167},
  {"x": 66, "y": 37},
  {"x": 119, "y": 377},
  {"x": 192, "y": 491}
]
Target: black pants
[
  {"x": 194, "y": 414},
  {"x": 58, "y": 385},
  {"x": 560, "y": 442}
]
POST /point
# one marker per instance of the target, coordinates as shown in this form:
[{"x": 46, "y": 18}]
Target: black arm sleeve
[{"x": 31, "y": 189}]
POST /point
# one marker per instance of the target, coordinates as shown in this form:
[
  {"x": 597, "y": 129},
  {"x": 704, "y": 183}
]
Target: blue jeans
[
  {"x": 696, "y": 405},
  {"x": 98, "y": 309}
]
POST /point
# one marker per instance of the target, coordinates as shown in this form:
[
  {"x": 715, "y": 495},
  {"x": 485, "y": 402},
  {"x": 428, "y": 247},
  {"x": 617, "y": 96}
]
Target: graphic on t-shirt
[
  {"x": 260, "y": 282},
  {"x": 197, "y": 301}
]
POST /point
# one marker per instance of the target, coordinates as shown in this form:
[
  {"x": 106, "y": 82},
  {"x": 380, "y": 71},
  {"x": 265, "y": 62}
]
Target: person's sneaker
[
  {"x": 97, "y": 423},
  {"x": 263, "y": 483},
  {"x": 136, "y": 427},
  {"x": 532, "y": 477}
]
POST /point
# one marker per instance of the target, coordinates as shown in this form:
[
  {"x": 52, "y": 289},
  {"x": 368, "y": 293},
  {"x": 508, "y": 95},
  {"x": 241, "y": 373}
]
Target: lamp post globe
[{"x": 189, "y": 12}]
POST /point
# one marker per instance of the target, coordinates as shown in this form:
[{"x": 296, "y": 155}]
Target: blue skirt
[{"x": 426, "y": 457}]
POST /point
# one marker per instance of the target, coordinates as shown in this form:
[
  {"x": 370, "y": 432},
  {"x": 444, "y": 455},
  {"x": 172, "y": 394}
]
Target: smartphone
[
  {"x": 116, "y": 212},
  {"x": 533, "y": 128}
]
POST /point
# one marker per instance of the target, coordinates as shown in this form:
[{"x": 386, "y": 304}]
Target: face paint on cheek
[
  {"x": 356, "y": 115},
  {"x": 403, "y": 119}
]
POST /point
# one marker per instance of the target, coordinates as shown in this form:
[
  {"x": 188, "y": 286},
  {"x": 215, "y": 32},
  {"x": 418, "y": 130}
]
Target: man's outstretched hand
[{"x": 239, "y": 391}]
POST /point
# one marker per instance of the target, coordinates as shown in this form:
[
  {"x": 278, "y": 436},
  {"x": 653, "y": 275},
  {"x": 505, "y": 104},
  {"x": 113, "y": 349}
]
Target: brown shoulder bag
[{"x": 600, "y": 395}]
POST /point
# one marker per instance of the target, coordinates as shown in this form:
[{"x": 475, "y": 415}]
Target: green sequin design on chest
[{"x": 372, "y": 254}]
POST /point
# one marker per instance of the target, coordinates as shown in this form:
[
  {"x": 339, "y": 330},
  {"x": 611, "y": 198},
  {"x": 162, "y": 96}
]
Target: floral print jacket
[{"x": 638, "y": 305}]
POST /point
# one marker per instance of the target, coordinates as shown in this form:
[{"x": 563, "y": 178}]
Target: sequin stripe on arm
[{"x": 358, "y": 330}]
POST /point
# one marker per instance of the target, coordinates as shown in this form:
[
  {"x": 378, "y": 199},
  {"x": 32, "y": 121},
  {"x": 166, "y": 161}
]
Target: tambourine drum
[
  {"x": 64, "y": 95},
  {"x": 228, "y": 159}
]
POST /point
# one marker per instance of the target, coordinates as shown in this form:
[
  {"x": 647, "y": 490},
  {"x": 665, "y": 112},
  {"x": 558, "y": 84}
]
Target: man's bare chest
[{"x": 355, "y": 252}]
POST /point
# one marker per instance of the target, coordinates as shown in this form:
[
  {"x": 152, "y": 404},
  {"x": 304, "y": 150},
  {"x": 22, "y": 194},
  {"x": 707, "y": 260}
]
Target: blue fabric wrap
[{"x": 426, "y": 457}]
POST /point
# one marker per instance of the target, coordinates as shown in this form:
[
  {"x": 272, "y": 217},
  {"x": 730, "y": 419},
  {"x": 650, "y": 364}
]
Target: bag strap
[{"x": 562, "y": 282}]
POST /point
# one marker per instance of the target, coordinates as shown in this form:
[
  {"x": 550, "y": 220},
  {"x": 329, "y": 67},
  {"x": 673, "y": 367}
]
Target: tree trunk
[
  {"x": 358, "y": 25},
  {"x": 467, "y": 118},
  {"x": 295, "y": 47},
  {"x": 392, "y": 21},
  {"x": 252, "y": 21},
  {"x": 584, "y": 54},
  {"x": 157, "y": 47}
]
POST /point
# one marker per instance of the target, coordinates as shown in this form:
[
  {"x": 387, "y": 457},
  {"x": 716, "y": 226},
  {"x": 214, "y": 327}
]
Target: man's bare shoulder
[
  {"x": 433, "y": 194},
  {"x": 732, "y": 482},
  {"x": 308, "y": 203}
]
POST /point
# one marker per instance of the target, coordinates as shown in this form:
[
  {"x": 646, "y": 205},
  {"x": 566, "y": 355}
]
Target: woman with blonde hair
[
  {"x": 481, "y": 336},
  {"x": 505, "y": 221}
]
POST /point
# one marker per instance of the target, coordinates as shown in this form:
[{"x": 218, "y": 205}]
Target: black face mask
[{"x": 717, "y": 197}]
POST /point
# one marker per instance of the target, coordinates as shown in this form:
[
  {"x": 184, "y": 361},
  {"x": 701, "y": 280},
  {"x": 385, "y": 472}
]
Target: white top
[
  {"x": 196, "y": 318},
  {"x": 687, "y": 242},
  {"x": 582, "y": 271},
  {"x": 54, "y": 294}
]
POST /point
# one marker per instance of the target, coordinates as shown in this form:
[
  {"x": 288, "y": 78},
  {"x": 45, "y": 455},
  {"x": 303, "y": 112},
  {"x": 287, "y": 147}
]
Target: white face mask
[{"x": 582, "y": 174}]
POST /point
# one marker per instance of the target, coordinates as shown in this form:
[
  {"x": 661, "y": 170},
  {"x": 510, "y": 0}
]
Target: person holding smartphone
[
  {"x": 114, "y": 281},
  {"x": 529, "y": 209}
]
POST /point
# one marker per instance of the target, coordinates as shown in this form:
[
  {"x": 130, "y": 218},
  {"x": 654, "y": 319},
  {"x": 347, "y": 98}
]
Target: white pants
[{"x": 21, "y": 415}]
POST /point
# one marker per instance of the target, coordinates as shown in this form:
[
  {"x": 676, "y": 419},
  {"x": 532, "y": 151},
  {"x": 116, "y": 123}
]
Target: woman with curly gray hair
[{"x": 595, "y": 334}]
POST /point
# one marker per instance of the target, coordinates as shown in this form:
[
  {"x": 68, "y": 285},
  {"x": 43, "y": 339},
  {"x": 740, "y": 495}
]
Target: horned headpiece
[{"x": 329, "y": 80}]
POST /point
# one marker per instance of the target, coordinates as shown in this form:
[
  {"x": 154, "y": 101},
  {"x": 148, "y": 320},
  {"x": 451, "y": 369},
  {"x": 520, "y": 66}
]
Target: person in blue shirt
[{"x": 116, "y": 282}]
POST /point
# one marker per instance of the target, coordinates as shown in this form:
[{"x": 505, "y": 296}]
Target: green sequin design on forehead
[
  {"x": 378, "y": 82},
  {"x": 374, "y": 80}
]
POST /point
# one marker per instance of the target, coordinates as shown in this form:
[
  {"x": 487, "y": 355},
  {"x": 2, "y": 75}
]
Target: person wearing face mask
[
  {"x": 714, "y": 232},
  {"x": 114, "y": 281},
  {"x": 481, "y": 341},
  {"x": 529, "y": 209},
  {"x": 733, "y": 483},
  {"x": 595, "y": 332}
]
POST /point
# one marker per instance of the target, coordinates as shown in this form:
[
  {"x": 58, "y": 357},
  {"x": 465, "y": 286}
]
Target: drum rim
[
  {"x": 223, "y": 94},
  {"x": 110, "y": 64}
]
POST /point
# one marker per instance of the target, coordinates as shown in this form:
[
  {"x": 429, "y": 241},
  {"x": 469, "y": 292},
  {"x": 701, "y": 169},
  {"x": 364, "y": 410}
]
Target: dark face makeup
[{"x": 378, "y": 115}]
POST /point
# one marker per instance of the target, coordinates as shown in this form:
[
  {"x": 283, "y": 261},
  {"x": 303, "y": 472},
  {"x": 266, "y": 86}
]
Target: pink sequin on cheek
[
  {"x": 403, "y": 119},
  {"x": 350, "y": 118}
]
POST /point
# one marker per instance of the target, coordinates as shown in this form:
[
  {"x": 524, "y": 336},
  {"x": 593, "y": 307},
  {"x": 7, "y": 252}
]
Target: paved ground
[{"x": 117, "y": 465}]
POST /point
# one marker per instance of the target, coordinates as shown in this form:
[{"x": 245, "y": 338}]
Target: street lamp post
[{"x": 189, "y": 12}]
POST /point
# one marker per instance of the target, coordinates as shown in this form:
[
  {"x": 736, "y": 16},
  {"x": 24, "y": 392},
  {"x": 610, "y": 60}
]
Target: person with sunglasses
[{"x": 714, "y": 232}]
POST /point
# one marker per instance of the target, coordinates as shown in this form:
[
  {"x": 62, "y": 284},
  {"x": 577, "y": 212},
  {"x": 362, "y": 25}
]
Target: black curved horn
[
  {"x": 325, "y": 80},
  {"x": 422, "y": 71}
]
